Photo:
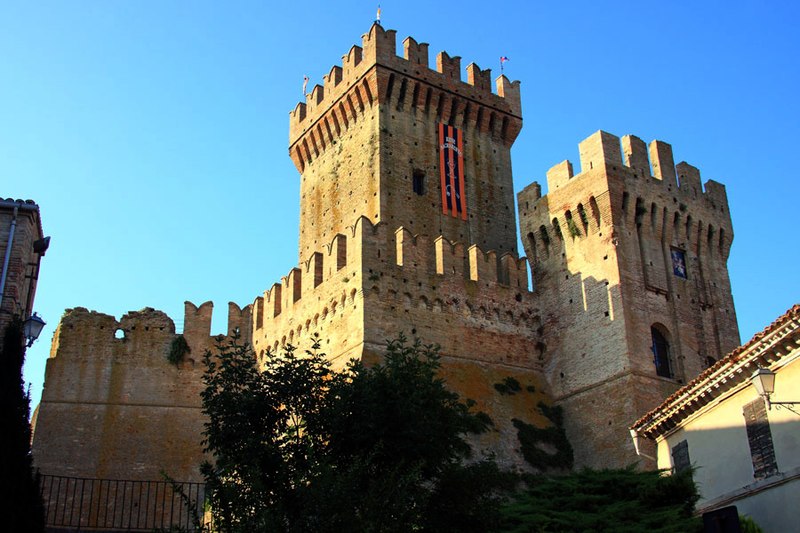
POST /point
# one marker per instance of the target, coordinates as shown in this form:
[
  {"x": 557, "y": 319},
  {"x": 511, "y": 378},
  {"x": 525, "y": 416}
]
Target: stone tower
[
  {"x": 407, "y": 211},
  {"x": 367, "y": 143},
  {"x": 629, "y": 261}
]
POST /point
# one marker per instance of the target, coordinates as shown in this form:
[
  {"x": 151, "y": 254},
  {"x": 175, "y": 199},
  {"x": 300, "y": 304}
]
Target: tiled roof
[{"x": 777, "y": 340}]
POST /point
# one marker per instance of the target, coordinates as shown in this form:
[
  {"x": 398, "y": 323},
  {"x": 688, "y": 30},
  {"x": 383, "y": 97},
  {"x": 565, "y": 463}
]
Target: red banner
[{"x": 451, "y": 169}]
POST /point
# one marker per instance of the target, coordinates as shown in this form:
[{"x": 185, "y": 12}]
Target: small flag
[
  {"x": 378, "y": 15},
  {"x": 503, "y": 59},
  {"x": 305, "y": 84}
]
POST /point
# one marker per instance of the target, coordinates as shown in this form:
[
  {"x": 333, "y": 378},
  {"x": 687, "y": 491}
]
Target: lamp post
[
  {"x": 764, "y": 381},
  {"x": 32, "y": 328}
]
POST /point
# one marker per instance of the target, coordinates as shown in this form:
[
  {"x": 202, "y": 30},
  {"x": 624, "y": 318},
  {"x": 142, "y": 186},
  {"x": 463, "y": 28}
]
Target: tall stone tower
[
  {"x": 368, "y": 142},
  {"x": 407, "y": 211},
  {"x": 407, "y": 225},
  {"x": 629, "y": 262}
]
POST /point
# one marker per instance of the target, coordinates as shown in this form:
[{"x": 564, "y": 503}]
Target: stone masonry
[
  {"x": 601, "y": 245},
  {"x": 379, "y": 255}
]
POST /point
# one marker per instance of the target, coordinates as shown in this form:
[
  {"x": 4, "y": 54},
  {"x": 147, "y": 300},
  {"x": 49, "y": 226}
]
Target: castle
[{"x": 408, "y": 225}]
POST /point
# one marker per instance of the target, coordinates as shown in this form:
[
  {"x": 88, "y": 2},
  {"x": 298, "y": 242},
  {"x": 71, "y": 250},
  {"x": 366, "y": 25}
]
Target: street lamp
[
  {"x": 764, "y": 381},
  {"x": 32, "y": 328}
]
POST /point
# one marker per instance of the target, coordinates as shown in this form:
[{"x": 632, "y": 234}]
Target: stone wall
[{"x": 113, "y": 406}]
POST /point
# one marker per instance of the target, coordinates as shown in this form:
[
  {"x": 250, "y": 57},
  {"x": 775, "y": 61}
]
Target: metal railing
[{"x": 122, "y": 505}]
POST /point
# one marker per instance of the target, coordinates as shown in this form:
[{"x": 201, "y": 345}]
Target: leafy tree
[
  {"x": 256, "y": 433},
  {"x": 21, "y": 504},
  {"x": 606, "y": 500},
  {"x": 298, "y": 447},
  {"x": 396, "y": 451}
]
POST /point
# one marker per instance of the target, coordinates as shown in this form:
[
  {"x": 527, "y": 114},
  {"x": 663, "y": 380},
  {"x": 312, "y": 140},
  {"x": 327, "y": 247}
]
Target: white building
[{"x": 745, "y": 447}]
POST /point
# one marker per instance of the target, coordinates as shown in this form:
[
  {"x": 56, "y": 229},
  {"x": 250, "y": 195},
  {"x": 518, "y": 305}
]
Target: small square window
[{"x": 678, "y": 263}]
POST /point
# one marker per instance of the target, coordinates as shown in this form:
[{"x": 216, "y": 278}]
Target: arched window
[{"x": 661, "y": 353}]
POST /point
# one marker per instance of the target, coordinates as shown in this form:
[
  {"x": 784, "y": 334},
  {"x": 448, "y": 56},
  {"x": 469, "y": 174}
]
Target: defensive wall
[
  {"x": 375, "y": 283},
  {"x": 327, "y": 294},
  {"x": 601, "y": 245},
  {"x": 114, "y": 407}
]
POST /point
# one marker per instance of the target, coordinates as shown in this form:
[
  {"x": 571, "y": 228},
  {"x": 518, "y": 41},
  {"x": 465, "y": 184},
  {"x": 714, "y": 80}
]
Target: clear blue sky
[{"x": 153, "y": 134}]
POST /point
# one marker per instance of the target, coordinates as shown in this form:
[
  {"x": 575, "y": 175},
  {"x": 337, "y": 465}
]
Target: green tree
[
  {"x": 262, "y": 455},
  {"x": 297, "y": 447},
  {"x": 606, "y": 500},
  {"x": 21, "y": 504},
  {"x": 395, "y": 450}
]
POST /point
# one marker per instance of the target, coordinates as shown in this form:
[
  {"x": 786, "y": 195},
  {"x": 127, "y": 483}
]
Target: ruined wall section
[
  {"x": 113, "y": 406},
  {"x": 361, "y": 137},
  {"x": 601, "y": 244}
]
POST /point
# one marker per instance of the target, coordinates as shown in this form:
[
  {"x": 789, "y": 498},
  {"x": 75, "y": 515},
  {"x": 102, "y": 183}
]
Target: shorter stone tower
[{"x": 629, "y": 264}]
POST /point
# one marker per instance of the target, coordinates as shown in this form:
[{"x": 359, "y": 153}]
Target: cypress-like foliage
[
  {"x": 20, "y": 502},
  {"x": 604, "y": 500}
]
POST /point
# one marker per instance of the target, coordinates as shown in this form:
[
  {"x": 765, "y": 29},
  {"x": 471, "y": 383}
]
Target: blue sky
[{"x": 153, "y": 134}]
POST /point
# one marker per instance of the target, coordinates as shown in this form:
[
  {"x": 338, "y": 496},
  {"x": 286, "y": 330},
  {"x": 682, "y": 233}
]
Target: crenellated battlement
[
  {"x": 82, "y": 327},
  {"x": 400, "y": 272},
  {"x": 651, "y": 163},
  {"x": 374, "y": 74},
  {"x": 343, "y": 261},
  {"x": 635, "y": 184}
]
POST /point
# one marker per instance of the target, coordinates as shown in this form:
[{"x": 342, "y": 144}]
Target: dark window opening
[
  {"x": 661, "y": 354},
  {"x": 759, "y": 437},
  {"x": 418, "y": 182}
]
